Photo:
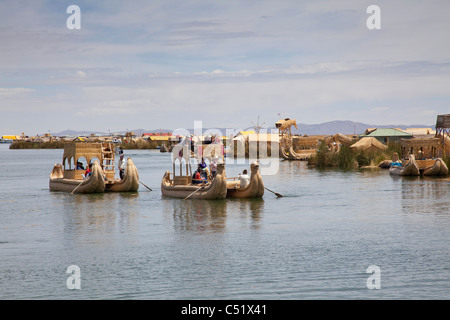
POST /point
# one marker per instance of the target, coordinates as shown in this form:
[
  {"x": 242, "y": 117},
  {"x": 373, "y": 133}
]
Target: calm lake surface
[{"x": 314, "y": 243}]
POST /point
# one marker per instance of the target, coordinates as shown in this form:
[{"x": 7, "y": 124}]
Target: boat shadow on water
[{"x": 211, "y": 215}]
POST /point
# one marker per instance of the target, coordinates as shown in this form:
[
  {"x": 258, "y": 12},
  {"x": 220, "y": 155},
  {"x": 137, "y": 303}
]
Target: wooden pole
[{"x": 77, "y": 187}]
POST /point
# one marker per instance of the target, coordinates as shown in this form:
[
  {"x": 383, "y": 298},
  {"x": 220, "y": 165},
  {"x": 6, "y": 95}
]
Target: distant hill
[
  {"x": 345, "y": 127},
  {"x": 326, "y": 128}
]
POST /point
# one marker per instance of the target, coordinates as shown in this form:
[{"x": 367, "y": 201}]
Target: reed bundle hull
[
  {"x": 292, "y": 155},
  {"x": 255, "y": 188},
  {"x": 164, "y": 148},
  {"x": 95, "y": 183},
  {"x": 215, "y": 189},
  {"x": 439, "y": 168},
  {"x": 410, "y": 169},
  {"x": 129, "y": 183}
]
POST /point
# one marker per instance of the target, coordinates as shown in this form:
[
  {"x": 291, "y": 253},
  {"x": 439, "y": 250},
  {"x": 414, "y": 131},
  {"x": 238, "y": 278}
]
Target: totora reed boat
[
  {"x": 255, "y": 189},
  {"x": 95, "y": 183},
  {"x": 69, "y": 177},
  {"x": 411, "y": 168},
  {"x": 130, "y": 181},
  {"x": 290, "y": 154},
  {"x": 435, "y": 167},
  {"x": 182, "y": 187}
]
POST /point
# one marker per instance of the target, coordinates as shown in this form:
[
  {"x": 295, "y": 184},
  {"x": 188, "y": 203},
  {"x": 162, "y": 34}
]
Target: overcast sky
[{"x": 164, "y": 64}]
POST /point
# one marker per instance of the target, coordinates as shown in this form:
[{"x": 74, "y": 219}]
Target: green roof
[{"x": 386, "y": 132}]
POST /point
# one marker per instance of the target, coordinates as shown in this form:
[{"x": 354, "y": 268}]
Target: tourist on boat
[
  {"x": 203, "y": 163},
  {"x": 122, "y": 165},
  {"x": 88, "y": 171},
  {"x": 396, "y": 164},
  {"x": 244, "y": 179},
  {"x": 80, "y": 166},
  {"x": 204, "y": 173},
  {"x": 198, "y": 178},
  {"x": 213, "y": 167}
]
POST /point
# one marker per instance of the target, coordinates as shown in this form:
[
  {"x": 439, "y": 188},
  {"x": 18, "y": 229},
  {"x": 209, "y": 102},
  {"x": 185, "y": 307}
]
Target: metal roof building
[{"x": 386, "y": 135}]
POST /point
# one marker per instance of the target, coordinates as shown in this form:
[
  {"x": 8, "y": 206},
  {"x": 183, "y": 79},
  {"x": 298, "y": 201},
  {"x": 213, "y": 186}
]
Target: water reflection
[
  {"x": 425, "y": 195},
  {"x": 88, "y": 217},
  {"x": 211, "y": 215},
  {"x": 250, "y": 210}
]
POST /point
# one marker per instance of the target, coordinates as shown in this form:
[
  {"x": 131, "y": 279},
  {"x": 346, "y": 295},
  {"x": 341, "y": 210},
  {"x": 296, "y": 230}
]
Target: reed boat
[
  {"x": 68, "y": 177},
  {"x": 164, "y": 148},
  {"x": 433, "y": 167},
  {"x": 255, "y": 188},
  {"x": 283, "y": 153},
  {"x": 130, "y": 181},
  {"x": 292, "y": 155},
  {"x": 411, "y": 168},
  {"x": 182, "y": 186},
  {"x": 95, "y": 183}
]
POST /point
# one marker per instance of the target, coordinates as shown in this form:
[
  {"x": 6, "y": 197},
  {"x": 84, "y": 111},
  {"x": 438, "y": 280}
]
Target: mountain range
[{"x": 326, "y": 128}]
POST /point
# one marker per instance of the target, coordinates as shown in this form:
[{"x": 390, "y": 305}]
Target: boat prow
[
  {"x": 255, "y": 188},
  {"x": 292, "y": 155},
  {"x": 92, "y": 184},
  {"x": 411, "y": 168},
  {"x": 439, "y": 168},
  {"x": 164, "y": 148},
  {"x": 130, "y": 181}
]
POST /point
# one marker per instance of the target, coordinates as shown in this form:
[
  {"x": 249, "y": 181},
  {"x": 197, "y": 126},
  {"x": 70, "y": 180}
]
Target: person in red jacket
[{"x": 88, "y": 171}]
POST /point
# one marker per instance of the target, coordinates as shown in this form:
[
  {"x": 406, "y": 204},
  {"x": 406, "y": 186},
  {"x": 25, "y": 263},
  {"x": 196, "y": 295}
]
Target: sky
[{"x": 165, "y": 64}]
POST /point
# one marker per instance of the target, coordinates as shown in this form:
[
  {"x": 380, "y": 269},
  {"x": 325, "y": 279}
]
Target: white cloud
[
  {"x": 14, "y": 92},
  {"x": 80, "y": 74}
]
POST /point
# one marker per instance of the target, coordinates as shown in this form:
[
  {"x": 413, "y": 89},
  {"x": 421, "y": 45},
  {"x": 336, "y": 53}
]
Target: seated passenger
[
  {"x": 204, "y": 173},
  {"x": 197, "y": 177},
  {"x": 79, "y": 166},
  {"x": 244, "y": 179}
]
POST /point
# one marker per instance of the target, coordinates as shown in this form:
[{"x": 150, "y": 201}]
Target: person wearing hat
[
  {"x": 203, "y": 163},
  {"x": 204, "y": 173},
  {"x": 122, "y": 165},
  {"x": 198, "y": 176}
]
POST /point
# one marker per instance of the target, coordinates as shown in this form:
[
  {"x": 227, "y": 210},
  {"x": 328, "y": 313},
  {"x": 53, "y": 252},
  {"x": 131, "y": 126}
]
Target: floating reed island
[{"x": 375, "y": 148}]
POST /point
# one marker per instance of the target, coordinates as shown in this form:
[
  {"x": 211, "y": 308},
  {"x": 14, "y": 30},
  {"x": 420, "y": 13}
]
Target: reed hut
[{"x": 368, "y": 144}]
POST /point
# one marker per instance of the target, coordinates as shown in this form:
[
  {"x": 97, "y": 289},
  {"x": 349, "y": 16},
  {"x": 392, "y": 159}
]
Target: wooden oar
[
  {"x": 195, "y": 191},
  {"x": 276, "y": 193},
  {"x": 77, "y": 187},
  {"x": 145, "y": 186}
]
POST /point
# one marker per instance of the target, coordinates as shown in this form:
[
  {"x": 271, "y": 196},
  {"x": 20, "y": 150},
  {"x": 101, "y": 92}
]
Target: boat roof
[{"x": 88, "y": 150}]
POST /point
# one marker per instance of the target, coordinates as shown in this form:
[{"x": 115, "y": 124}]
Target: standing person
[
  {"x": 244, "y": 179},
  {"x": 213, "y": 167},
  {"x": 122, "y": 165},
  {"x": 203, "y": 163}
]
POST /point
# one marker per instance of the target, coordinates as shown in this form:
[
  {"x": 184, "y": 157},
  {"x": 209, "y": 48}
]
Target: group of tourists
[{"x": 201, "y": 175}]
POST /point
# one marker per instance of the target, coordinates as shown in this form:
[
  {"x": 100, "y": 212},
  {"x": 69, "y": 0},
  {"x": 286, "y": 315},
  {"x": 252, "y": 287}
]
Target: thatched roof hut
[{"x": 368, "y": 144}]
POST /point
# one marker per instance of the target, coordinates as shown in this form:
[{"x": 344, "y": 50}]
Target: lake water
[{"x": 316, "y": 242}]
